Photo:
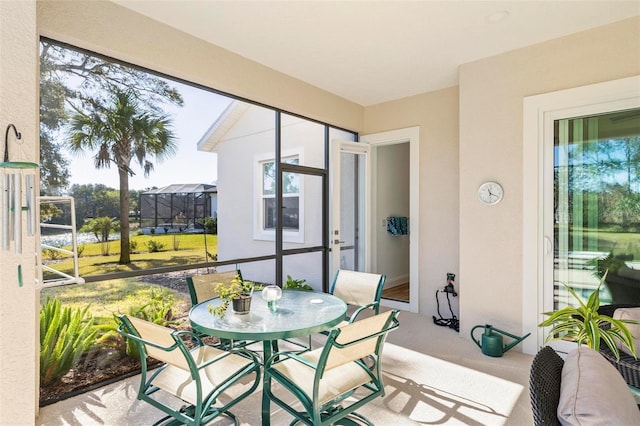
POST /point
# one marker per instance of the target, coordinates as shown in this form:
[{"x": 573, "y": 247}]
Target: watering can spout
[{"x": 492, "y": 343}]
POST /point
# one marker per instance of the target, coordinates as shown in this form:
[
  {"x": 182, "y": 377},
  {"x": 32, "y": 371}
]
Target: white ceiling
[{"x": 375, "y": 51}]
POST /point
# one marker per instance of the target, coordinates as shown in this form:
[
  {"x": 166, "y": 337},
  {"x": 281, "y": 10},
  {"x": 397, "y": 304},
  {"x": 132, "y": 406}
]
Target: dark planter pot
[{"x": 241, "y": 304}]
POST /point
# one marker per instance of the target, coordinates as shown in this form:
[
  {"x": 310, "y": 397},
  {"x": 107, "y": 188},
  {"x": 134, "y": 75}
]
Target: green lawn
[
  {"x": 107, "y": 298},
  {"x": 179, "y": 249}
]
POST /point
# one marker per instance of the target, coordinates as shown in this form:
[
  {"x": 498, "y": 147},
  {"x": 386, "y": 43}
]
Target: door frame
[
  {"x": 339, "y": 146},
  {"x": 538, "y": 115},
  {"x": 409, "y": 135}
]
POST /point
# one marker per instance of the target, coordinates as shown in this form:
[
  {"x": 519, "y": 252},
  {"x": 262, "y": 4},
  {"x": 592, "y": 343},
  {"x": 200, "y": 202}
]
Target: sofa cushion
[
  {"x": 592, "y": 392},
  {"x": 630, "y": 314}
]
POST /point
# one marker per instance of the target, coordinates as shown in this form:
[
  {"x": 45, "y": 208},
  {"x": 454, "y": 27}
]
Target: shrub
[
  {"x": 292, "y": 284},
  {"x": 101, "y": 227},
  {"x": 154, "y": 246},
  {"x": 133, "y": 246},
  {"x": 51, "y": 254},
  {"x": 159, "y": 309},
  {"x": 211, "y": 225},
  {"x": 80, "y": 250},
  {"x": 65, "y": 334},
  {"x": 105, "y": 248}
]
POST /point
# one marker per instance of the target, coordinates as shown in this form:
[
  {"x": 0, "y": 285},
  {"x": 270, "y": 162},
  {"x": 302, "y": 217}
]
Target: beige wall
[
  {"x": 491, "y": 108},
  {"x": 107, "y": 28},
  {"x": 437, "y": 115},
  {"x": 18, "y": 304}
]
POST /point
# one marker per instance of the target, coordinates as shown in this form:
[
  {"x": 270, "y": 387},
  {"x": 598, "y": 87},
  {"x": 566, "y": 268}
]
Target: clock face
[{"x": 490, "y": 193}]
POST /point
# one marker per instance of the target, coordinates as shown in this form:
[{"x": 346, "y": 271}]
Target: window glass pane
[
  {"x": 597, "y": 207},
  {"x": 290, "y": 181},
  {"x": 290, "y": 214}
]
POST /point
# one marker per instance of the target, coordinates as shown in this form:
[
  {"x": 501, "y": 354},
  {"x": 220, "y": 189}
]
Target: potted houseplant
[
  {"x": 584, "y": 325},
  {"x": 238, "y": 294}
]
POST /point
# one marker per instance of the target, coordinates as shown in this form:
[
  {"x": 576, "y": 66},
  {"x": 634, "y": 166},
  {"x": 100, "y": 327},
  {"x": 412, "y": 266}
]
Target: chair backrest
[
  {"x": 202, "y": 287},
  {"x": 158, "y": 341},
  {"x": 544, "y": 386},
  {"x": 358, "y": 339},
  {"x": 358, "y": 288}
]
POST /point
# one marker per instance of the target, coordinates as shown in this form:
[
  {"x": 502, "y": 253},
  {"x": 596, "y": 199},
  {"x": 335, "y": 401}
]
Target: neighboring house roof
[
  {"x": 184, "y": 188},
  {"x": 225, "y": 122}
]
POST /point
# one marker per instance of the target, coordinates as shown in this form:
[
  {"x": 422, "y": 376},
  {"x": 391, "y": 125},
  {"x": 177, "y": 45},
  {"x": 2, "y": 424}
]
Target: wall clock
[{"x": 490, "y": 193}]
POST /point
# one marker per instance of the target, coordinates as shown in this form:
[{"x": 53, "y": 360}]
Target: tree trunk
[{"x": 125, "y": 256}]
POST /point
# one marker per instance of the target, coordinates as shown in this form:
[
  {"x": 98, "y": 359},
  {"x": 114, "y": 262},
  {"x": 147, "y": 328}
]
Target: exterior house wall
[
  {"x": 19, "y": 302},
  {"x": 240, "y": 233}
]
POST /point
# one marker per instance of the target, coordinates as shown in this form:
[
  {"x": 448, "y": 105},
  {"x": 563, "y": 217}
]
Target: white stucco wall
[
  {"x": 240, "y": 232},
  {"x": 19, "y": 305}
]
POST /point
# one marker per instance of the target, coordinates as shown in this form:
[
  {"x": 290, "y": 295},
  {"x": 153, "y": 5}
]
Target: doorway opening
[
  {"x": 395, "y": 221},
  {"x": 391, "y": 219}
]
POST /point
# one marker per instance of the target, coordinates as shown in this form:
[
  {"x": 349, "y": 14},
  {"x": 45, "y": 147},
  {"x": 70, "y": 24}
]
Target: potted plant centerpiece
[
  {"x": 584, "y": 325},
  {"x": 238, "y": 294}
]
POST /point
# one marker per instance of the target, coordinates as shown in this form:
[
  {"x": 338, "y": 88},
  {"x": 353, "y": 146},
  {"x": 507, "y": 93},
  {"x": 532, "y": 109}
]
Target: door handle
[
  {"x": 548, "y": 245},
  {"x": 337, "y": 242}
]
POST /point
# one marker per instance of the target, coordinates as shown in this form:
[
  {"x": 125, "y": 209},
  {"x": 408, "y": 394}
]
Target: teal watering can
[{"x": 492, "y": 340}]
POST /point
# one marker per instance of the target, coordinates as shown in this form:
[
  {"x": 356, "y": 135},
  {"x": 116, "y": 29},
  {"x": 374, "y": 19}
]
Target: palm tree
[{"x": 117, "y": 132}]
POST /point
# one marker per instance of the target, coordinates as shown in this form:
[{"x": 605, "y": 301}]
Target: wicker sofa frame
[
  {"x": 544, "y": 386},
  {"x": 627, "y": 365}
]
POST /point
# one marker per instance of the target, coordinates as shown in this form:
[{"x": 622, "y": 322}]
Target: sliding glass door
[{"x": 596, "y": 207}]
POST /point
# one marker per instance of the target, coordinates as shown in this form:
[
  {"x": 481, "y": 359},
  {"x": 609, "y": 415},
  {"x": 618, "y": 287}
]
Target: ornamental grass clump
[
  {"x": 65, "y": 334},
  {"x": 584, "y": 325}
]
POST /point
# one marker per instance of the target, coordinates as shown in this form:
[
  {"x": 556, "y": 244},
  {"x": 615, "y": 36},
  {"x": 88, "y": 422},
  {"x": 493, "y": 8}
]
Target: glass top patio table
[{"x": 298, "y": 314}]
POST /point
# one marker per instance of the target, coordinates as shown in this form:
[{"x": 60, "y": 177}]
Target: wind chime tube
[
  {"x": 30, "y": 194},
  {"x": 17, "y": 212},
  {"x": 5, "y": 211},
  {"x": 11, "y": 195}
]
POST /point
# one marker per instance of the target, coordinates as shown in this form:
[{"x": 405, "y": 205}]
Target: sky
[{"x": 188, "y": 165}]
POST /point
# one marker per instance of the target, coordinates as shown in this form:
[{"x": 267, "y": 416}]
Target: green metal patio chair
[
  {"x": 323, "y": 379},
  {"x": 202, "y": 288},
  {"x": 208, "y": 379},
  {"x": 360, "y": 289}
]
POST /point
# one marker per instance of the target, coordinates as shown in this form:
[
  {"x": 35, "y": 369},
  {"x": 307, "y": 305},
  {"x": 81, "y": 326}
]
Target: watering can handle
[{"x": 473, "y": 337}]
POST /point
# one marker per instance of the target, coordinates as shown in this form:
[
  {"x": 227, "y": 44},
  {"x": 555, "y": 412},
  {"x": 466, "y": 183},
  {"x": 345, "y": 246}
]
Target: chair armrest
[
  {"x": 357, "y": 312},
  {"x": 193, "y": 336},
  {"x": 224, "y": 354},
  {"x": 122, "y": 331},
  {"x": 278, "y": 356},
  {"x": 392, "y": 326}
]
